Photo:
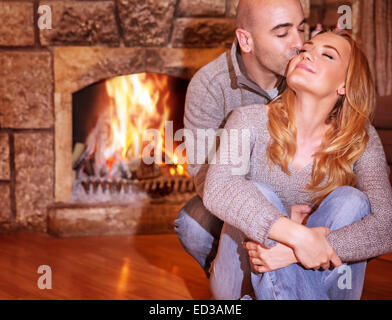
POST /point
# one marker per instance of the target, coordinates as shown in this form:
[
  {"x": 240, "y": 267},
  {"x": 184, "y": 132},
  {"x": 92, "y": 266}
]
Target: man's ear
[{"x": 244, "y": 40}]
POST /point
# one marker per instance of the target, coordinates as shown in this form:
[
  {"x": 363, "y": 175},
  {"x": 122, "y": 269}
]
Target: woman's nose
[{"x": 307, "y": 55}]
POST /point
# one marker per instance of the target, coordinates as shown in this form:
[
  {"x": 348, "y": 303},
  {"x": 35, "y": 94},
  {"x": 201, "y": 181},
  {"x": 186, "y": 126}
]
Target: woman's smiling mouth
[{"x": 305, "y": 67}]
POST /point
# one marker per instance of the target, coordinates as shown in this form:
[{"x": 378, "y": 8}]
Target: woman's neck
[{"x": 311, "y": 114}]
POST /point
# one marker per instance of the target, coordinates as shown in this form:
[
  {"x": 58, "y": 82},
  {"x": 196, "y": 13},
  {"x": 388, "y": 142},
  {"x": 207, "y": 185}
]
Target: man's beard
[
  {"x": 277, "y": 68},
  {"x": 293, "y": 52}
]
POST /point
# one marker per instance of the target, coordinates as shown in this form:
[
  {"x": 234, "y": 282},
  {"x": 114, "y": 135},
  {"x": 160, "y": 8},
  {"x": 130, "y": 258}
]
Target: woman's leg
[
  {"x": 230, "y": 272},
  {"x": 342, "y": 207}
]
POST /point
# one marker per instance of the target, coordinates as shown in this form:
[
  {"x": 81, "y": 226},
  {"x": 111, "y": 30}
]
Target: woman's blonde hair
[{"x": 343, "y": 143}]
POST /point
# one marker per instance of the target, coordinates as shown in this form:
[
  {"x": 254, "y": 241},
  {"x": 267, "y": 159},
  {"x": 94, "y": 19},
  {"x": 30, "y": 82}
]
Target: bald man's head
[
  {"x": 244, "y": 14},
  {"x": 250, "y": 11},
  {"x": 269, "y": 33}
]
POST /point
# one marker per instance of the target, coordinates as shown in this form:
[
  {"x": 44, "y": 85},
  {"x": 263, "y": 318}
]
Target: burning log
[
  {"x": 147, "y": 171},
  {"x": 81, "y": 160}
]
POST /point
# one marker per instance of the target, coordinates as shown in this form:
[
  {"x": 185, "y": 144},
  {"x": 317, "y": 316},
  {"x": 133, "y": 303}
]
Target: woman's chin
[{"x": 299, "y": 84}]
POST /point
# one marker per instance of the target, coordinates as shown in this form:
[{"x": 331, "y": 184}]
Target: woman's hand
[
  {"x": 310, "y": 245},
  {"x": 313, "y": 250},
  {"x": 263, "y": 259},
  {"x": 300, "y": 212}
]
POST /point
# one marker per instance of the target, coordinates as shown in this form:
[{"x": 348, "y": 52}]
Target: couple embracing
[{"x": 316, "y": 197}]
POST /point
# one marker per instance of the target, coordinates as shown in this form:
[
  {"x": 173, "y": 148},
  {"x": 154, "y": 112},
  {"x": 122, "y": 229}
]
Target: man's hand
[
  {"x": 310, "y": 245},
  {"x": 263, "y": 259},
  {"x": 313, "y": 250},
  {"x": 300, "y": 212}
]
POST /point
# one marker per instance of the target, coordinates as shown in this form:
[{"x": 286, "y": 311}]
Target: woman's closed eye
[{"x": 324, "y": 54}]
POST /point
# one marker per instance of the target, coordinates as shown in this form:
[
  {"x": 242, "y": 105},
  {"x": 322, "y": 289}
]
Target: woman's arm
[
  {"x": 264, "y": 260},
  {"x": 310, "y": 245},
  {"x": 372, "y": 236},
  {"x": 283, "y": 254}
]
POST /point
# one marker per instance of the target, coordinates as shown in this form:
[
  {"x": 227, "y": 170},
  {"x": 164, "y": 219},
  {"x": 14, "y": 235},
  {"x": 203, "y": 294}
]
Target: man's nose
[{"x": 298, "y": 40}]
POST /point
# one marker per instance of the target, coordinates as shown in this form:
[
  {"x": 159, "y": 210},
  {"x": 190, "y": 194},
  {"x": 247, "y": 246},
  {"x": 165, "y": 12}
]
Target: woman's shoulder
[
  {"x": 374, "y": 150},
  {"x": 374, "y": 138}
]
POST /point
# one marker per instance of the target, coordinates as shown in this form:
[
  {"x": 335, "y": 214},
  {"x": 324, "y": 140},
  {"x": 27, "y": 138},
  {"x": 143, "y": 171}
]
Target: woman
[{"x": 313, "y": 147}]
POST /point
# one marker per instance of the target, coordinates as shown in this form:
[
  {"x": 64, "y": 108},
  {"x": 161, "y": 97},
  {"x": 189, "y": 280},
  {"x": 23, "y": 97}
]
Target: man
[{"x": 269, "y": 33}]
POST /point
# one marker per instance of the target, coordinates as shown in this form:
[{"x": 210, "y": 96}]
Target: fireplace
[{"x": 118, "y": 196}]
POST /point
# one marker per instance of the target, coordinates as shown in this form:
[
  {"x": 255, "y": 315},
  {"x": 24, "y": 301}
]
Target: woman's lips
[{"x": 305, "y": 67}]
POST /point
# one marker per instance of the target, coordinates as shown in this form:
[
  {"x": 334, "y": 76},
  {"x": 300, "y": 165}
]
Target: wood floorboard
[{"x": 140, "y": 267}]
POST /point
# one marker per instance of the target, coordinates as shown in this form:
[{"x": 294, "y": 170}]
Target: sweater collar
[{"x": 242, "y": 77}]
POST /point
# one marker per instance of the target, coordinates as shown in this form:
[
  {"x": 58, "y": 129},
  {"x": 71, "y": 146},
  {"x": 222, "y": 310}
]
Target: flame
[
  {"x": 133, "y": 103},
  {"x": 136, "y": 103},
  {"x": 180, "y": 170}
]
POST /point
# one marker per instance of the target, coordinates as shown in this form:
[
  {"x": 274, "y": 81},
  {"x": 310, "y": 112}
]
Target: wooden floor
[{"x": 139, "y": 267}]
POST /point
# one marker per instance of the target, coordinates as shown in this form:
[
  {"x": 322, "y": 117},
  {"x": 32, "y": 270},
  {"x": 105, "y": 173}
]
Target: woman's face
[{"x": 321, "y": 66}]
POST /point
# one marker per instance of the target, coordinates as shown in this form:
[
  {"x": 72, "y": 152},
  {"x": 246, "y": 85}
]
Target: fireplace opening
[{"x": 123, "y": 139}]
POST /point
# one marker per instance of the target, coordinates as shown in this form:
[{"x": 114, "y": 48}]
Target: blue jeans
[
  {"x": 198, "y": 231},
  {"x": 231, "y": 277}
]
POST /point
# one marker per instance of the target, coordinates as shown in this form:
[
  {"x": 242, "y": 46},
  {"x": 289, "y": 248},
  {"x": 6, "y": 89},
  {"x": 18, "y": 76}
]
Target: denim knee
[
  {"x": 195, "y": 226},
  {"x": 269, "y": 193},
  {"x": 344, "y": 206}
]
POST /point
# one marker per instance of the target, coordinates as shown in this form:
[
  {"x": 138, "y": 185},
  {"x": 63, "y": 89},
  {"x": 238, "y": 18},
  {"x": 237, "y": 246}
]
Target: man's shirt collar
[{"x": 242, "y": 75}]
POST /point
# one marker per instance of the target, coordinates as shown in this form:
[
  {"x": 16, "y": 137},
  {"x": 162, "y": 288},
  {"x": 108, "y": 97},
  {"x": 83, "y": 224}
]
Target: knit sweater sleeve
[
  {"x": 203, "y": 110},
  {"x": 227, "y": 192},
  {"x": 372, "y": 236}
]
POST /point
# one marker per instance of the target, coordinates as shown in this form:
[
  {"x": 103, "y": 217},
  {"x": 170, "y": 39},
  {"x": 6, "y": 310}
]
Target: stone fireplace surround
[
  {"x": 74, "y": 69},
  {"x": 40, "y": 69}
]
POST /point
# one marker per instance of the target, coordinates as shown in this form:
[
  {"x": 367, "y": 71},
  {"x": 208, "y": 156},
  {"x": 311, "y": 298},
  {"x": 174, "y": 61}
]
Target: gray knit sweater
[
  {"x": 217, "y": 89},
  {"x": 234, "y": 199}
]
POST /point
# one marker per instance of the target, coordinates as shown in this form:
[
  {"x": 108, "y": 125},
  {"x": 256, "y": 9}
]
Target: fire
[
  {"x": 133, "y": 109},
  {"x": 180, "y": 170},
  {"x": 137, "y": 103}
]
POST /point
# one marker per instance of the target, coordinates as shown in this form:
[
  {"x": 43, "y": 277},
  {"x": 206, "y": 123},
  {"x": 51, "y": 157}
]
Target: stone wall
[{"x": 113, "y": 37}]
